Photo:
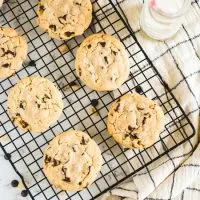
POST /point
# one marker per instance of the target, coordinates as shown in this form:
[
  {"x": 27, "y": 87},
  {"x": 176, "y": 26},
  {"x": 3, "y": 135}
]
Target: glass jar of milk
[{"x": 161, "y": 19}]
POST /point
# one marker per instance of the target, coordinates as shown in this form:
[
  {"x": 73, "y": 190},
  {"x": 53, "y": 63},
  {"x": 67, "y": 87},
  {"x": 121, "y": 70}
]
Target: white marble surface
[{"x": 7, "y": 174}]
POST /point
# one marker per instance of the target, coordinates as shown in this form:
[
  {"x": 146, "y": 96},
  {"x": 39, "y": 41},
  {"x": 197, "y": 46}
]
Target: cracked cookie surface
[
  {"x": 102, "y": 63},
  {"x": 13, "y": 51},
  {"x": 135, "y": 121},
  {"x": 64, "y": 19},
  {"x": 34, "y": 103},
  {"x": 72, "y": 161}
]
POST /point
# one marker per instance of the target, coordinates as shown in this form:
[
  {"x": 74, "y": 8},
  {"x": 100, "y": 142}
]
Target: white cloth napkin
[{"x": 176, "y": 175}]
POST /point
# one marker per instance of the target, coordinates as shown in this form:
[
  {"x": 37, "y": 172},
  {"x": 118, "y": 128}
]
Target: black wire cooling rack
[{"x": 26, "y": 149}]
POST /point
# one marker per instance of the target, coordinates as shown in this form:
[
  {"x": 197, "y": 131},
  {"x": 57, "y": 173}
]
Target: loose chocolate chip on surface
[
  {"x": 103, "y": 44},
  {"x": 73, "y": 83},
  {"x": 14, "y": 183},
  {"x": 7, "y": 156},
  {"x": 138, "y": 89},
  {"x": 32, "y": 63},
  {"x": 24, "y": 193},
  {"x": 94, "y": 102}
]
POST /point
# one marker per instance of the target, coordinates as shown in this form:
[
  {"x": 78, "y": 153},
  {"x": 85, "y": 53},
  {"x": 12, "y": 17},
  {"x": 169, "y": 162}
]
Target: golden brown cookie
[
  {"x": 72, "y": 161},
  {"x": 34, "y": 103},
  {"x": 102, "y": 63},
  {"x": 64, "y": 19},
  {"x": 135, "y": 121}
]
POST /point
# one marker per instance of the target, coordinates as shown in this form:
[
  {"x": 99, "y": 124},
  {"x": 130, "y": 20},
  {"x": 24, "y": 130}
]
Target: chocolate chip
[
  {"x": 24, "y": 193},
  {"x": 79, "y": 72},
  {"x": 10, "y": 52},
  {"x": 47, "y": 159},
  {"x": 79, "y": 4},
  {"x": 138, "y": 89},
  {"x": 44, "y": 98},
  {"x": 14, "y": 183},
  {"x": 6, "y": 65},
  {"x": 73, "y": 83},
  {"x": 22, "y": 105},
  {"x": 144, "y": 120},
  {"x": 94, "y": 102},
  {"x": 74, "y": 150},
  {"x": 106, "y": 59},
  {"x": 55, "y": 162},
  {"x": 133, "y": 136},
  {"x": 32, "y": 63},
  {"x": 80, "y": 183},
  {"x": 89, "y": 46},
  {"x": 66, "y": 179},
  {"x": 38, "y": 105},
  {"x": 83, "y": 142},
  {"x": 140, "y": 143},
  {"x": 7, "y": 156},
  {"x": 140, "y": 108},
  {"x": 117, "y": 108},
  {"x": 69, "y": 34},
  {"x": 103, "y": 44},
  {"x": 130, "y": 128},
  {"x": 114, "y": 52},
  {"x": 126, "y": 135},
  {"x": 52, "y": 27},
  {"x": 24, "y": 124},
  {"x": 118, "y": 100},
  {"x": 41, "y": 8},
  {"x": 64, "y": 17}
]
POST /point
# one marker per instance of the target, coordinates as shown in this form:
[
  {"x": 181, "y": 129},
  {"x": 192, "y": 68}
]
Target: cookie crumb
[{"x": 63, "y": 48}]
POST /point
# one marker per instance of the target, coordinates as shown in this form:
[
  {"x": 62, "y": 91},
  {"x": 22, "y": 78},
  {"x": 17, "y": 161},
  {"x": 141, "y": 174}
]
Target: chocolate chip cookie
[
  {"x": 135, "y": 121},
  {"x": 102, "y": 63},
  {"x": 64, "y": 19},
  {"x": 13, "y": 51},
  {"x": 72, "y": 161},
  {"x": 34, "y": 103}
]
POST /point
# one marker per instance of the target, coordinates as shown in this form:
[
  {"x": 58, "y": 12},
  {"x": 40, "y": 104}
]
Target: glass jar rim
[{"x": 179, "y": 13}]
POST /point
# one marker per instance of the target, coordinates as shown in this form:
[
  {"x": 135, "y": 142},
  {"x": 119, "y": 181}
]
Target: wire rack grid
[{"x": 26, "y": 149}]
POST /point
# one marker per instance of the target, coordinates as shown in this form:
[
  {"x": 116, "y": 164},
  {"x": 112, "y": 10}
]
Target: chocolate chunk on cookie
[{"x": 79, "y": 161}]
